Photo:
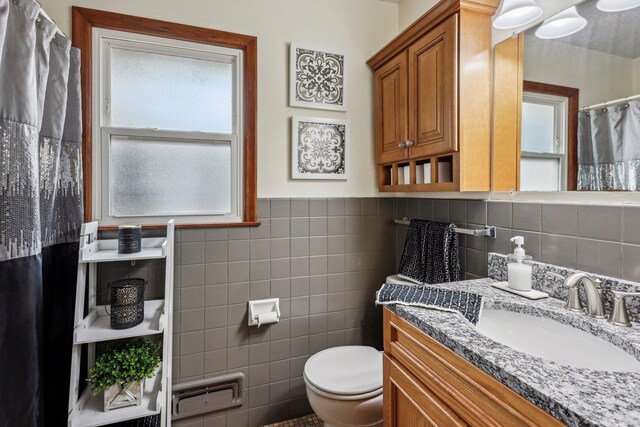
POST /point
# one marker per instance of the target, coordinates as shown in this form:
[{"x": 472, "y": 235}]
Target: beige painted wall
[
  {"x": 599, "y": 76},
  {"x": 410, "y": 10},
  {"x": 359, "y": 27}
]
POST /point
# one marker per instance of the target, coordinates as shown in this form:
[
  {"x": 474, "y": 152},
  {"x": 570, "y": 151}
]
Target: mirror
[{"x": 580, "y": 108}]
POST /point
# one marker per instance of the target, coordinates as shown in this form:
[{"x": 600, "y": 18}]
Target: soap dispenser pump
[{"x": 519, "y": 267}]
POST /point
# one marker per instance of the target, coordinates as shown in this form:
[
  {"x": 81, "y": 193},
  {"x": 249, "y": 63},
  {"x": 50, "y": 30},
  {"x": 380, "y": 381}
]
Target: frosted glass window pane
[
  {"x": 538, "y": 127},
  {"x": 150, "y": 90},
  {"x": 151, "y": 177},
  {"x": 539, "y": 174}
]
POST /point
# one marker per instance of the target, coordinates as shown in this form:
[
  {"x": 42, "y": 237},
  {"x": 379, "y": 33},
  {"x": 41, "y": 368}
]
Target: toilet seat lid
[{"x": 347, "y": 370}]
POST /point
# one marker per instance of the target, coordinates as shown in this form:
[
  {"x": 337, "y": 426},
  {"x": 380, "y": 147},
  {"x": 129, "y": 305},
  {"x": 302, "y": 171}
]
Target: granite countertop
[{"x": 576, "y": 396}]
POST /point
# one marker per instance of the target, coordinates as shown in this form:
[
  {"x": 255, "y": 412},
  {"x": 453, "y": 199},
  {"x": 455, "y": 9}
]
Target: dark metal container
[
  {"x": 127, "y": 303},
  {"x": 129, "y": 239}
]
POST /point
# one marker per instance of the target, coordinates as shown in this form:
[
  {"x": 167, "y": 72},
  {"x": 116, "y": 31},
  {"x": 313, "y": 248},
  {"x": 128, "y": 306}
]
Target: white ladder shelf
[{"x": 94, "y": 326}]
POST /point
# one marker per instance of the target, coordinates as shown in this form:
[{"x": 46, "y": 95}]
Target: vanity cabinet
[
  {"x": 426, "y": 384},
  {"x": 433, "y": 101},
  {"x": 410, "y": 402}
]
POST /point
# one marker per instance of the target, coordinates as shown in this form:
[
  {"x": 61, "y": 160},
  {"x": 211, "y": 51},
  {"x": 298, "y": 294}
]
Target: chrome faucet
[{"x": 592, "y": 290}]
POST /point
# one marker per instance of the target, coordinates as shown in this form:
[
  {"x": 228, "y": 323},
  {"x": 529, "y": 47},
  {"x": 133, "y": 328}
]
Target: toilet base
[{"x": 336, "y": 412}]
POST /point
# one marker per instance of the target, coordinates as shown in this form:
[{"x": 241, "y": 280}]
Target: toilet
[
  {"x": 344, "y": 386},
  {"x": 397, "y": 280}
]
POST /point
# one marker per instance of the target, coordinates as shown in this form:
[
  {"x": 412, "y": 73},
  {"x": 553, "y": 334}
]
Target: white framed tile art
[
  {"x": 317, "y": 78},
  {"x": 319, "y": 148}
]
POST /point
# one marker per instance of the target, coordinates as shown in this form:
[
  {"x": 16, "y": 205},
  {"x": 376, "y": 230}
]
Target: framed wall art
[
  {"x": 317, "y": 78},
  {"x": 319, "y": 148}
]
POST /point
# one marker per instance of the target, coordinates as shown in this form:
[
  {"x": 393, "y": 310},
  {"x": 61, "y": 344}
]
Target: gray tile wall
[
  {"x": 324, "y": 259},
  {"x": 595, "y": 238}
]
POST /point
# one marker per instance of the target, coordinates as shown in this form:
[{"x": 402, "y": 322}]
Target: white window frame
[
  {"x": 561, "y": 132},
  {"x": 103, "y": 41}
]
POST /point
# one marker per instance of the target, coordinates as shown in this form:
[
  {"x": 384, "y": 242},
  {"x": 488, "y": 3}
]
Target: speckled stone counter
[{"x": 576, "y": 396}]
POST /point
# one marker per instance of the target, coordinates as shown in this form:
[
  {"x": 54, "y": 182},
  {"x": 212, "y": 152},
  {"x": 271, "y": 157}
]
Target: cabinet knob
[
  {"x": 402, "y": 145},
  {"x": 409, "y": 143}
]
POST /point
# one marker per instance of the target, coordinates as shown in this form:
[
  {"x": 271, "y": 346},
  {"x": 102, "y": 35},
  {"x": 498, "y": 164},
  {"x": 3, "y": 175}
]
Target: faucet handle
[
  {"x": 559, "y": 276},
  {"x": 573, "y": 300},
  {"x": 619, "y": 315}
]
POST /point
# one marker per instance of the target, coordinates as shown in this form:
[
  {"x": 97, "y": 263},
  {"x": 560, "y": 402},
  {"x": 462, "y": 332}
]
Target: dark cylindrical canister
[
  {"x": 127, "y": 303},
  {"x": 129, "y": 239}
]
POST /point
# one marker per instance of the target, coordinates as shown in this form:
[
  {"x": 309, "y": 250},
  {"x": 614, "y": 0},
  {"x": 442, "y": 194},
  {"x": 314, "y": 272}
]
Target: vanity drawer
[
  {"x": 408, "y": 403},
  {"x": 474, "y": 396}
]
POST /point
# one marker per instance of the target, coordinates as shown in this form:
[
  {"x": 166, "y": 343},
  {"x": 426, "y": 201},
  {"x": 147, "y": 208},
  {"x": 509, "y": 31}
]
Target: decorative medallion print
[
  {"x": 319, "y": 148},
  {"x": 317, "y": 79}
]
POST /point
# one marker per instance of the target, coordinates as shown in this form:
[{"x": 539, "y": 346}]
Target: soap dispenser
[{"x": 519, "y": 267}]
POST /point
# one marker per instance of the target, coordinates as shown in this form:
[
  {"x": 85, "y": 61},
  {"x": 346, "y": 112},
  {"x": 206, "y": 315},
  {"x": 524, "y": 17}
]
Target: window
[
  {"x": 172, "y": 121},
  {"x": 543, "y": 164}
]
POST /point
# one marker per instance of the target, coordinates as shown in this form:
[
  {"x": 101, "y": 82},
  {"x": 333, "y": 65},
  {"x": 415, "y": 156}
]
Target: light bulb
[
  {"x": 562, "y": 25},
  {"x": 617, "y": 5},
  {"x": 515, "y": 13}
]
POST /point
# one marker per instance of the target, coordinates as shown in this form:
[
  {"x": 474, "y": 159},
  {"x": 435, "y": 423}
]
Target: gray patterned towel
[
  {"x": 430, "y": 253},
  {"x": 467, "y": 304}
]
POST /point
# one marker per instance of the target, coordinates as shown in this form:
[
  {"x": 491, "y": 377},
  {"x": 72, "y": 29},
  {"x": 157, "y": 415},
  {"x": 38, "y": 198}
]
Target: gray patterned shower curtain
[
  {"x": 40, "y": 214},
  {"x": 609, "y": 148}
]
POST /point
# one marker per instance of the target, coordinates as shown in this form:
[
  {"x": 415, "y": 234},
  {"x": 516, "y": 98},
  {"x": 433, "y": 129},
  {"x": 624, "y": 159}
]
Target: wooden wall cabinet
[
  {"x": 426, "y": 384},
  {"x": 391, "y": 100},
  {"x": 433, "y": 100},
  {"x": 432, "y": 91}
]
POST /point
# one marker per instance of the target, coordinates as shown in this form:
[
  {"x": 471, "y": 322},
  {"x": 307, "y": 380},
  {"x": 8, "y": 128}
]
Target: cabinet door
[
  {"x": 408, "y": 403},
  {"x": 391, "y": 110},
  {"x": 432, "y": 91}
]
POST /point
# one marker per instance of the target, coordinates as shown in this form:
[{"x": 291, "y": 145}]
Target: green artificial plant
[{"x": 123, "y": 363}]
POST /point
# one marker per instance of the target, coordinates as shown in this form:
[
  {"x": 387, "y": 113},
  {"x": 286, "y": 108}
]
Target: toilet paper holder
[{"x": 264, "y": 311}]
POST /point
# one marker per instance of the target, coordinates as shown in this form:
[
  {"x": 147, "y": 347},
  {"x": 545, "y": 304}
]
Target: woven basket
[{"x": 127, "y": 303}]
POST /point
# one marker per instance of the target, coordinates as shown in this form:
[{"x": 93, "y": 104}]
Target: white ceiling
[{"x": 615, "y": 33}]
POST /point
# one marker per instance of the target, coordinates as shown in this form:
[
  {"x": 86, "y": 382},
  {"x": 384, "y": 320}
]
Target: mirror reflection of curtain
[
  {"x": 609, "y": 148},
  {"x": 40, "y": 214}
]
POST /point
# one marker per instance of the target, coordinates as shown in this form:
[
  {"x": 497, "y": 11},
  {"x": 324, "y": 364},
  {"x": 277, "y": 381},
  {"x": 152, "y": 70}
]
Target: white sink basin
[{"x": 551, "y": 340}]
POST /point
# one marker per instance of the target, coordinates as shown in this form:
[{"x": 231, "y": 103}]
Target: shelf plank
[
  {"x": 406, "y": 188},
  {"x": 96, "y": 326},
  {"x": 89, "y": 411},
  {"x": 107, "y": 251}
]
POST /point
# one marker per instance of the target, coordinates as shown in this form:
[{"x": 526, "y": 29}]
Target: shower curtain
[
  {"x": 40, "y": 214},
  {"x": 609, "y": 148}
]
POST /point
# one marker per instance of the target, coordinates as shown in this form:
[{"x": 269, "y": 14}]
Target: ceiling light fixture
[
  {"x": 562, "y": 25},
  {"x": 617, "y": 5},
  {"x": 515, "y": 13}
]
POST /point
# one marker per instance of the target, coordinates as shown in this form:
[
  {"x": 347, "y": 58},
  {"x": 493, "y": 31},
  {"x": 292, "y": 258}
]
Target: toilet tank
[{"x": 397, "y": 280}]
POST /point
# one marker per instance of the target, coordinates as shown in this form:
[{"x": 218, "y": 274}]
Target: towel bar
[{"x": 487, "y": 231}]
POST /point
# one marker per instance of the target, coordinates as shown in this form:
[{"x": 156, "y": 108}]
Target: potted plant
[{"x": 120, "y": 371}]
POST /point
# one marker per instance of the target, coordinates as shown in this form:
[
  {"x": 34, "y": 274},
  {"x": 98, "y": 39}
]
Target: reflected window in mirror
[
  {"x": 543, "y": 160},
  {"x": 597, "y": 65}
]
